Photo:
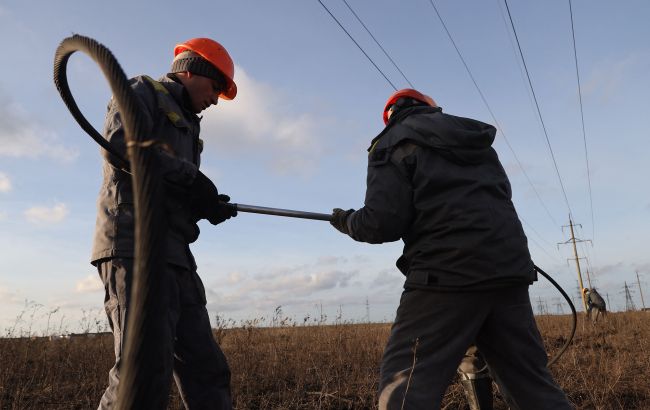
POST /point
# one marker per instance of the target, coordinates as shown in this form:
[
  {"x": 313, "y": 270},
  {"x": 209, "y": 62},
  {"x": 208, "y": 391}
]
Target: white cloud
[
  {"x": 5, "y": 183},
  {"x": 42, "y": 214},
  {"x": 330, "y": 260},
  {"x": 259, "y": 120},
  {"x": 388, "y": 277},
  {"x": 607, "y": 79},
  {"x": 286, "y": 287},
  {"x": 89, "y": 284},
  {"x": 3, "y": 215},
  {"x": 235, "y": 278},
  {"x": 19, "y": 138},
  {"x": 8, "y": 296}
]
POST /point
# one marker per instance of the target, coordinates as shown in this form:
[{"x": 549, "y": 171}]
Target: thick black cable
[
  {"x": 582, "y": 119},
  {"x": 574, "y": 316},
  {"x": 460, "y": 55},
  {"x": 378, "y": 44},
  {"x": 539, "y": 112},
  {"x": 357, "y": 44},
  {"x": 139, "y": 358}
]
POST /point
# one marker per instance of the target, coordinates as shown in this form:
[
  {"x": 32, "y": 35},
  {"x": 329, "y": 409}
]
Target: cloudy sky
[{"x": 309, "y": 102}]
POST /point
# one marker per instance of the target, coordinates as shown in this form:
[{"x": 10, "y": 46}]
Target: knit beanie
[{"x": 195, "y": 64}]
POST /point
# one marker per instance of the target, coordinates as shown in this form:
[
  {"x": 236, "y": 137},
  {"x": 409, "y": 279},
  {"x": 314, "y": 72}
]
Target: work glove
[
  {"x": 207, "y": 203},
  {"x": 222, "y": 210},
  {"x": 340, "y": 219}
]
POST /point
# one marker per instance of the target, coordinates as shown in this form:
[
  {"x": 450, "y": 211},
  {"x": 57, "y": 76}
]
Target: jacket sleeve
[
  {"x": 388, "y": 207},
  {"x": 173, "y": 169}
]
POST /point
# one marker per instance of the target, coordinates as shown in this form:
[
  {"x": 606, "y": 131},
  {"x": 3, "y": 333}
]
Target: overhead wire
[
  {"x": 515, "y": 53},
  {"x": 462, "y": 59},
  {"x": 357, "y": 44},
  {"x": 535, "y": 242},
  {"x": 539, "y": 112},
  {"x": 483, "y": 98},
  {"x": 582, "y": 119},
  {"x": 378, "y": 44}
]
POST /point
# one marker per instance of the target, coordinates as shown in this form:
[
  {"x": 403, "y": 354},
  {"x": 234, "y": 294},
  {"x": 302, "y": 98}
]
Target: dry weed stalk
[{"x": 324, "y": 366}]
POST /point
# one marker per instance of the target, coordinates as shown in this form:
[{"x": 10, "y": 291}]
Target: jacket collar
[{"x": 178, "y": 91}]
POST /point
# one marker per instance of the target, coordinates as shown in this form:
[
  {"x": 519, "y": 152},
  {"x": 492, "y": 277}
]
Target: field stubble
[{"x": 328, "y": 366}]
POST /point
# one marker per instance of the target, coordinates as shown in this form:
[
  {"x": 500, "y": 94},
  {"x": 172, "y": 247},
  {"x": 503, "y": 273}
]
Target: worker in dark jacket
[
  {"x": 201, "y": 73},
  {"x": 435, "y": 182}
]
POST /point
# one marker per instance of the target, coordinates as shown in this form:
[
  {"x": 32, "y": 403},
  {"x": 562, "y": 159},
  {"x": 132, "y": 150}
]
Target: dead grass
[{"x": 327, "y": 366}]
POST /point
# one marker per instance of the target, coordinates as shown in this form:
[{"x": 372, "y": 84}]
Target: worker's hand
[
  {"x": 207, "y": 203},
  {"x": 340, "y": 219},
  {"x": 222, "y": 210}
]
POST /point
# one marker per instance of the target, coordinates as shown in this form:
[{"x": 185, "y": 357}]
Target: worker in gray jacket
[
  {"x": 201, "y": 73},
  {"x": 435, "y": 182}
]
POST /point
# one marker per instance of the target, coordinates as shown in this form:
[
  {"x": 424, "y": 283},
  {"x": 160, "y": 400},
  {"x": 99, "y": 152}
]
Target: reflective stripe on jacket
[{"x": 177, "y": 133}]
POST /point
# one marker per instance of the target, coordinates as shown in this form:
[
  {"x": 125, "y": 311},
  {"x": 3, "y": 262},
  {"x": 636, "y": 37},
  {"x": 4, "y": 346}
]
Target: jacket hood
[{"x": 459, "y": 139}]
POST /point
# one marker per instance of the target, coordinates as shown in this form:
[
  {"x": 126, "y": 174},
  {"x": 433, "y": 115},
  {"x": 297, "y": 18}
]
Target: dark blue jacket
[{"x": 435, "y": 182}]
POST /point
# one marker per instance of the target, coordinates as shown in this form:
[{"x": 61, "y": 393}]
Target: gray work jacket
[{"x": 177, "y": 131}]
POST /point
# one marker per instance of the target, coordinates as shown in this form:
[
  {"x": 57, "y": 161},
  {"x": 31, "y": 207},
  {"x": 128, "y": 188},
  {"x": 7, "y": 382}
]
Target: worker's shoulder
[
  {"x": 393, "y": 144},
  {"x": 143, "y": 86},
  {"x": 396, "y": 135}
]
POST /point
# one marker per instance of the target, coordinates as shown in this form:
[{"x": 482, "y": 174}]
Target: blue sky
[{"x": 308, "y": 104}]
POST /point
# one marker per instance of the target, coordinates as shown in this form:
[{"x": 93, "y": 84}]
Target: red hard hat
[
  {"x": 218, "y": 56},
  {"x": 407, "y": 92}
]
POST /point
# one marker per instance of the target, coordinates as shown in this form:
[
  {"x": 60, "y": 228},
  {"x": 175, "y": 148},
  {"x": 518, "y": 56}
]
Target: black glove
[
  {"x": 207, "y": 203},
  {"x": 340, "y": 219},
  {"x": 222, "y": 210}
]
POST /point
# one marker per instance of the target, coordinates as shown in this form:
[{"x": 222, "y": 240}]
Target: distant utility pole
[
  {"x": 573, "y": 240},
  {"x": 629, "y": 303},
  {"x": 638, "y": 281},
  {"x": 609, "y": 305},
  {"x": 589, "y": 279},
  {"x": 367, "y": 311},
  {"x": 539, "y": 305}
]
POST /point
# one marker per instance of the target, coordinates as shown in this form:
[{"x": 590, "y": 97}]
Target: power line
[
  {"x": 460, "y": 55},
  {"x": 537, "y": 233},
  {"x": 539, "y": 112},
  {"x": 582, "y": 118},
  {"x": 377, "y": 42},
  {"x": 534, "y": 241},
  {"x": 357, "y": 44}
]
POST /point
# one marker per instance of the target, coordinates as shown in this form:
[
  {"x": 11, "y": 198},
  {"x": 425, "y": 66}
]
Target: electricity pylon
[
  {"x": 629, "y": 303},
  {"x": 573, "y": 240},
  {"x": 638, "y": 281}
]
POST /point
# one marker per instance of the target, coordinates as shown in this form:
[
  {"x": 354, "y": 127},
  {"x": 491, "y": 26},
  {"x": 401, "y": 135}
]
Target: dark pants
[
  {"x": 186, "y": 349},
  {"x": 433, "y": 330}
]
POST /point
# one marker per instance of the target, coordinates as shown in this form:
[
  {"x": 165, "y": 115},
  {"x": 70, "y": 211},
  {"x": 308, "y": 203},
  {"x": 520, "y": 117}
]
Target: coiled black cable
[{"x": 138, "y": 360}]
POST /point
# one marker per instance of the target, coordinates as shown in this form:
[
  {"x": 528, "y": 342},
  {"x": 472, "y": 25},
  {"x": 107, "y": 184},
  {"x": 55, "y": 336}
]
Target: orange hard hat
[
  {"x": 218, "y": 56},
  {"x": 407, "y": 92}
]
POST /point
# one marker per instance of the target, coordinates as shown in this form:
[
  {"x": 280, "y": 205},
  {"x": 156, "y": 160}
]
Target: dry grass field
[{"x": 328, "y": 366}]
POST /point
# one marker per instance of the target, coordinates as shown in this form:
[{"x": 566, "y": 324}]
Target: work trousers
[
  {"x": 185, "y": 349},
  {"x": 432, "y": 331}
]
